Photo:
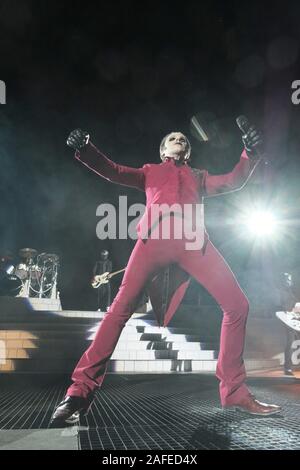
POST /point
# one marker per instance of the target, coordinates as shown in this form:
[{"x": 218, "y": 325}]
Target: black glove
[
  {"x": 253, "y": 143},
  {"x": 78, "y": 139}
]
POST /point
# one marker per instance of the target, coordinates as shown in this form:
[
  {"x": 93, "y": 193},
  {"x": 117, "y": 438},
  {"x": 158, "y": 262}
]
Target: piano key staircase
[{"x": 52, "y": 342}]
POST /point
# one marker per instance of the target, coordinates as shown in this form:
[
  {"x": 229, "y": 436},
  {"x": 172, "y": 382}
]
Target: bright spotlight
[{"x": 261, "y": 223}]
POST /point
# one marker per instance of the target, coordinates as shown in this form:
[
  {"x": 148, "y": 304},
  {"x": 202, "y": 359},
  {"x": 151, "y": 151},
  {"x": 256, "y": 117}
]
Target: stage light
[{"x": 261, "y": 223}]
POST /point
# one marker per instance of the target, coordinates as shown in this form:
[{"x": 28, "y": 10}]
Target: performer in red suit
[{"x": 171, "y": 182}]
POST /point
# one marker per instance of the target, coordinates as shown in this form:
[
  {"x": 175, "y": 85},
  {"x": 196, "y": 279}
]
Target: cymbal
[
  {"x": 27, "y": 253},
  {"x": 49, "y": 257}
]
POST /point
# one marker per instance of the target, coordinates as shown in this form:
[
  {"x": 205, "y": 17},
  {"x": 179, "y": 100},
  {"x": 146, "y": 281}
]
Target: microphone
[{"x": 244, "y": 126}]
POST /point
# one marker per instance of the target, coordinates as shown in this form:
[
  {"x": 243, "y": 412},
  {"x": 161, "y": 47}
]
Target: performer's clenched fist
[
  {"x": 253, "y": 142},
  {"x": 78, "y": 139}
]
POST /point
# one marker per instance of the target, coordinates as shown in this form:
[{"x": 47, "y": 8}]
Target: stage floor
[{"x": 169, "y": 412}]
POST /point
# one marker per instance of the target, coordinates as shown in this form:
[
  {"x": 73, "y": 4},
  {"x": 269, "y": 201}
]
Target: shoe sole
[
  {"x": 72, "y": 420},
  {"x": 242, "y": 410}
]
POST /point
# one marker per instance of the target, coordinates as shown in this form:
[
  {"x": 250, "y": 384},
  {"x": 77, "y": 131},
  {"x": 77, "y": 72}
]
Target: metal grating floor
[{"x": 169, "y": 412}]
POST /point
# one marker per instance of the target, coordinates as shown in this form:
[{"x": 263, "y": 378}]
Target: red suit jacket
[{"x": 166, "y": 183}]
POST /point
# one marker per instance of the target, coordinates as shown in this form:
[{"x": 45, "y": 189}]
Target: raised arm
[
  {"x": 96, "y": 161},
  {"x": 236, "y": 179}
]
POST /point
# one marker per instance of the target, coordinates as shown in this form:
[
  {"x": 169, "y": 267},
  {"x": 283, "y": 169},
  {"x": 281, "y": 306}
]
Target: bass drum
[{"x": 10, "y": 285}]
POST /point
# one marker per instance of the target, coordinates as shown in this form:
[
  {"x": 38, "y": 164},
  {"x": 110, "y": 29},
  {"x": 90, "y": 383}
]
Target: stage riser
[
  {"x": 118, "y": 366},
  {"x": 131, "y": 334},
  {"x": 34, "y": 341},
  {"x": 86, "y": 334},
  {"x": 27, "y": 341},
  {"x": 120, "y": 354}
]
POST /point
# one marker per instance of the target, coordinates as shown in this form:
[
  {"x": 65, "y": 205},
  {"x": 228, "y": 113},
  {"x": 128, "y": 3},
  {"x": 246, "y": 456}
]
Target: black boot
[{"x": 69, "y": 411}]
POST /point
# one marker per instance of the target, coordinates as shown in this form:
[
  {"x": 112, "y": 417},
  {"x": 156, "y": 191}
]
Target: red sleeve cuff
[{"x": 244, "y": 155}]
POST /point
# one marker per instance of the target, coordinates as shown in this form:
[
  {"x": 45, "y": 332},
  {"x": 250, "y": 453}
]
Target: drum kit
[{"x": 34, "y": 275}]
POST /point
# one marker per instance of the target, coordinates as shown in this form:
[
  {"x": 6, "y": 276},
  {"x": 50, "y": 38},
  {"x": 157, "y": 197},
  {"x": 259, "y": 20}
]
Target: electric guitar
[{"x": 104, "y": 278}]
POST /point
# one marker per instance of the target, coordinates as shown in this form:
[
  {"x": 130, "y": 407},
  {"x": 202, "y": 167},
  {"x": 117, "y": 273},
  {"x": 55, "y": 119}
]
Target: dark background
[{"x": 130, "y": 72}]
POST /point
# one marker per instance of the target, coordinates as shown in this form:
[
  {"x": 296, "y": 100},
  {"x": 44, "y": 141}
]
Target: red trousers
[{"x": 212, "y": 272}]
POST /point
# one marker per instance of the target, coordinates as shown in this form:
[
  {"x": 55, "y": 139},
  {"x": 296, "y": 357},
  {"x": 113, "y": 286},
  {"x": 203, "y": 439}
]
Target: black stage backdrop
[{"x": 129, "y": 72}]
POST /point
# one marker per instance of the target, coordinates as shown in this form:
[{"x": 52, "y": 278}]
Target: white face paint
[{"x": 175, "y": 146}]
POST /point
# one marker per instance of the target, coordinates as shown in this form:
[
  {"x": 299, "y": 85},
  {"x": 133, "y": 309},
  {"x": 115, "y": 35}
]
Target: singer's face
[{"x": 175, "y": 146}]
